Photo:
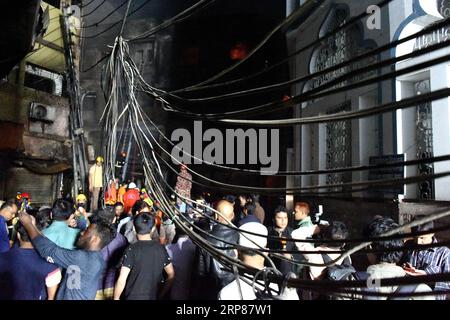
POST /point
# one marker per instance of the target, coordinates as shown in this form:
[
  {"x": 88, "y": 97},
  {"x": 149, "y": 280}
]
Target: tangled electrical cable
[
  {"x": 93, "y": 10},
  {"x": 346, "y": 63},
  {"x": 302, "y": 12},
  {"x": 321, "y": 92},
  {"x": 185, "y": 14},
  {"x": 110, "y": 26},
  {"x": 232, "y": 187},
  {"x": 123, "y": 112}
]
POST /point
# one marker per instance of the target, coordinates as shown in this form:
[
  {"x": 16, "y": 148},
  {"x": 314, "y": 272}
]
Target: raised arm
[{"x": 47, "y": 249}]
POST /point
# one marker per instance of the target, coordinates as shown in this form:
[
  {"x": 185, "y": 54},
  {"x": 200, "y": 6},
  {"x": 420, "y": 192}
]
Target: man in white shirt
[{"x": 242, "y": 289}]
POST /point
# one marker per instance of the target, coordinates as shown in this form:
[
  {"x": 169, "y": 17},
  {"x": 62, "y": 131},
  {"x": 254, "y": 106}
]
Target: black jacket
[
  {"x": 284, "y": 266},
  {"x": 212, "y": 275}
]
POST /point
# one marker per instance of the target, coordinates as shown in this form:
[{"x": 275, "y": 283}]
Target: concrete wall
[
  {"x": 408, "y": 210},
  {"x": 41, "y": 143},
  {"x": 15, "y": 107},
  {"x": 412, "y": 17}
]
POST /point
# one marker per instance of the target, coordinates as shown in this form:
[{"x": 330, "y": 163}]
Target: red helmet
[
  {"x": 26, "y": 195},
  {"x": 22, "y": 195}
]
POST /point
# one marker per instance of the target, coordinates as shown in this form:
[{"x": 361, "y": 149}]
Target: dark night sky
[
  {"x": 167, "y": 8},
  {"x": 214, "y": 30}
]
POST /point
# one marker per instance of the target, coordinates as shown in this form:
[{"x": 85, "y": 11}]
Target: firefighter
[
  {"x": 131, "y": 196},
  {"x": 111, "y": 193},
  {"x": 96, "y": 182},
  {"x": 122, "y": 190}
]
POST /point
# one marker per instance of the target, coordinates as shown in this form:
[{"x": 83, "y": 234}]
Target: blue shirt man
[
  {"x": 61, "y": 234},
  {"x": 84, "y": 266},
  {"x": 24, "y": 275},
  {"x": 83, "y": 269},
  {"x": 59, "y": 231},
  {"x": 4, "y": 239},
  {"x": 434, "y": 260},
  {"x": 7, "y": 212},
  {"x": 429, "y": 260}
]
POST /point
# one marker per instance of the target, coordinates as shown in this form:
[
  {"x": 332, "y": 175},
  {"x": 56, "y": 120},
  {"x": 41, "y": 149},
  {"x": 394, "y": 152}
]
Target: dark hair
[
  {"x": 143, "y": 223},
  {"x": 106, "y": 215},
  {"x": 43, "y": 218},
  {"x": 230, "y": 198},
  {"x": 62, "y": 209},
  {"x": 105, "y": 231},
  {"x": 23, "y": 233},
  {"x": 378, "y": 227},
  {"x": 42, "y": 221},
  {"x": 139, "y": 205},
  {"x": 118, "y": 204},
  {"x": 250, "y": 207},
  {"x": 179, "y": 232},
  {"x": 202, "y": 223},
  {"x": 10, "y": 203},
  {"x": 427, "y": 226},
  {"x": 255, "y": 198},
  {"x": 279, "y": 209},
  {"x": 337, "y": 230}
]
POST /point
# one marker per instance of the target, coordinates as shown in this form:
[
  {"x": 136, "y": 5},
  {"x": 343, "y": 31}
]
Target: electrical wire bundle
[{"x": 123, "y": 112}]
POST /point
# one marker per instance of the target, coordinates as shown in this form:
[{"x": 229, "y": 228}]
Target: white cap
[
  {"x": 132, "y": 185},
  {"x": 250, "y": 240}
]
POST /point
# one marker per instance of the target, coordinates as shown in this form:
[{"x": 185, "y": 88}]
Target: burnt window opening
[
  {"x": 39, "y": 83},
  {"x": 43, "y": 80}
]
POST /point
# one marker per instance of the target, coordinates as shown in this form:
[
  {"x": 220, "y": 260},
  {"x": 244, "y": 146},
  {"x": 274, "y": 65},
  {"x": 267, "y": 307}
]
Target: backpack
[{"x": 339, "y": 272}]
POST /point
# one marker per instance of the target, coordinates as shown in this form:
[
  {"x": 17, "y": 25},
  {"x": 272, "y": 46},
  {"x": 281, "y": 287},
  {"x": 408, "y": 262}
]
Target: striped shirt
[{"x": 433, "y": 261}]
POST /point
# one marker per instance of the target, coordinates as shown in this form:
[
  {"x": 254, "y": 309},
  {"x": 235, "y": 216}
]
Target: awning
[{"x": 45, "y": 167}]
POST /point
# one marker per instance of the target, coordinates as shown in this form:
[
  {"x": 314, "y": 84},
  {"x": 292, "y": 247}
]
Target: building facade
[
  {"x": 34, "y": 119},
  {"x": 411, "y": 133}
]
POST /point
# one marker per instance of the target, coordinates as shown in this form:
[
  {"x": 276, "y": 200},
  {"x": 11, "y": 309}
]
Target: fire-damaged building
[{"x": 35, "y": 143}]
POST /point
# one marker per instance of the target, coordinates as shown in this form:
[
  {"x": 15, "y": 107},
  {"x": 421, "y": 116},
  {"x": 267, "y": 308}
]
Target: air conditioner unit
[{"x": 42, "y": 112}]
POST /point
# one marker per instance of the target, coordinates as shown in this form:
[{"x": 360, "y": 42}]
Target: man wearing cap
[
  {"x": 239, "y": 289},
  {"x": 80, "y": 220},
  {"x": 95, "y": 182}
]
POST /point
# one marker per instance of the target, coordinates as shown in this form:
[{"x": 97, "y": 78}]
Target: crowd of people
[{"x": 130, "y": 249}]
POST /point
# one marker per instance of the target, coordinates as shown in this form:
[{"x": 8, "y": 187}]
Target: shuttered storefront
[{"x": 40, "y": 187}]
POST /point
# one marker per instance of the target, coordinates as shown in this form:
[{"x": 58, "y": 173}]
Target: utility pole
[{"x": 75, "y": 118}]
